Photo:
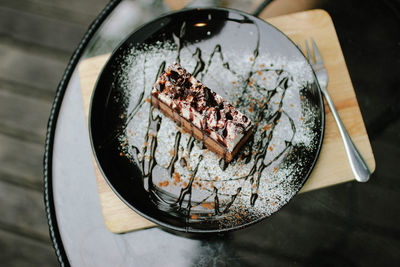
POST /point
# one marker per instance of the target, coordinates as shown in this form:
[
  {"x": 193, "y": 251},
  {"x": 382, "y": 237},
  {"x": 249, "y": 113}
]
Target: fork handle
[{"x": 357, "y": 163}]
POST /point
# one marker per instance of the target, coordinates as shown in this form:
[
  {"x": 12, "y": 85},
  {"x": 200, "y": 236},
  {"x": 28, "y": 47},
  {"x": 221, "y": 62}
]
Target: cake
[{"x": 201, "y": 112}]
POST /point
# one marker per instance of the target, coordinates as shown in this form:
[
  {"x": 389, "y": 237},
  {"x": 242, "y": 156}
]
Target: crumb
[
  {"x": 208, "y": 206},
  {"x": 267, "y": 127},
  {"x": 177, "y": 177},
  {"x": 251, "y": 108}
]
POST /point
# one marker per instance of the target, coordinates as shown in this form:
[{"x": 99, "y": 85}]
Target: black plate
[{"x": 240, "y": 57}]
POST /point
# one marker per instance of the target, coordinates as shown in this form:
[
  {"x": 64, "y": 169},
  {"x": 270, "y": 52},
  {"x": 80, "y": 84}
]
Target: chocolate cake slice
[{"x": 201, "y": 112}]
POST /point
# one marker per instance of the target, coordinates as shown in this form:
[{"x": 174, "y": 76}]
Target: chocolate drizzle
[
  {"x": 199, "y": 63},
  {"x": 188, "y": 189},
  {"x": 190, "y": 144},
  {"x": 222, "y": 164},
  {"x": 255, "y": 151},
  {"x": 178, "y": 41},
  {"x": 171, "y": 167},
  {"x": 147, "y": 166}
]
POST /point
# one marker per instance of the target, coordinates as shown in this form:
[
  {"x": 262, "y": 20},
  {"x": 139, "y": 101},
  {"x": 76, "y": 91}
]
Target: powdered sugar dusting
[{"x": 272, "y": 91}]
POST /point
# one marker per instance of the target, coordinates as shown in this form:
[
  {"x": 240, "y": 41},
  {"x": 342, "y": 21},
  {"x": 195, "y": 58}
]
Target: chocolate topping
[
  {"x": 160, "y": 87},
  {"x": 187, "y": 84},
  {"x": 218, "y": 114},
  {"x": 173, "y": 77},
  {"x": 201, "y": 106},
  {"x": 209, "y": 97}
]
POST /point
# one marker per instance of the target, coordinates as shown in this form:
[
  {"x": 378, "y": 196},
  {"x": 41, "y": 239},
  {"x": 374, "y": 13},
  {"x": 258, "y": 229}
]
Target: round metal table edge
[{"x": 51, "y": 129}]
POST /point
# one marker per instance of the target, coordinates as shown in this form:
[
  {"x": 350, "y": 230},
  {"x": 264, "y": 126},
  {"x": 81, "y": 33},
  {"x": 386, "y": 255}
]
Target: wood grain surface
[
  {"x": 37, "y": 39},
  {"x": 332, "y": 166}
]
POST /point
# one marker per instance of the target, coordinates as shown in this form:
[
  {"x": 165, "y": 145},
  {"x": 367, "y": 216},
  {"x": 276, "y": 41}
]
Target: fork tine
[
  {"x": 310, "y": 58},
  {"x": 317, "y": 54}
]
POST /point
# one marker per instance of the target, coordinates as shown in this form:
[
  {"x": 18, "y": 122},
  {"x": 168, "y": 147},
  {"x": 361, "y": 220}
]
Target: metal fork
[{"x": 357, "y": 163}]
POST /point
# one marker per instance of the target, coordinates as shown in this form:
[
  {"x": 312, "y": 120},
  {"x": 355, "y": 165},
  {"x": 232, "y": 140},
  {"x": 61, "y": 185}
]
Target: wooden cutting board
[{"x": 332, "y": 166}]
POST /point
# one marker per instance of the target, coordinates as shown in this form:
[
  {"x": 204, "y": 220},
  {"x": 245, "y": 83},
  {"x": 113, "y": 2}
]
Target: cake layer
[{"x": 201, "y": 111}]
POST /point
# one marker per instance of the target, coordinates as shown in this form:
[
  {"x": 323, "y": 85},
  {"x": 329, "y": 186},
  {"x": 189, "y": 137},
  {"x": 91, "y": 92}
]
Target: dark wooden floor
[{"x": 37, "y": 38}]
